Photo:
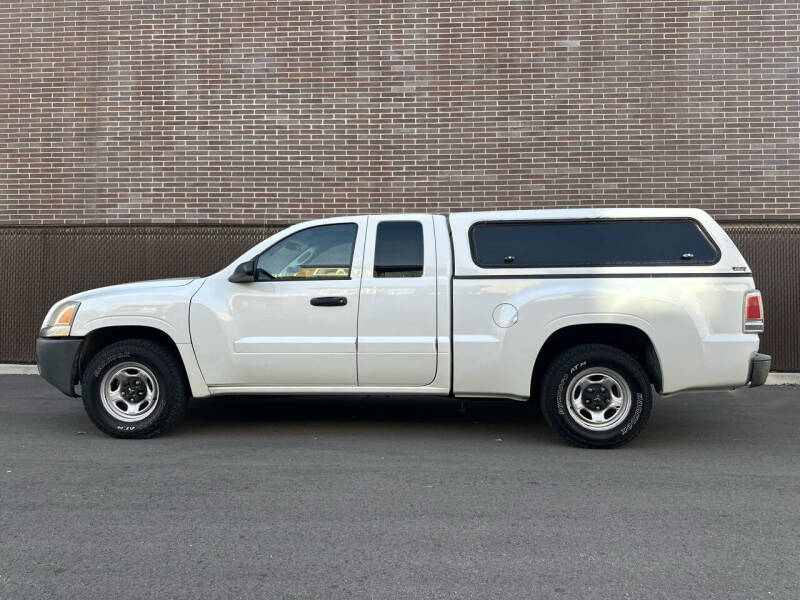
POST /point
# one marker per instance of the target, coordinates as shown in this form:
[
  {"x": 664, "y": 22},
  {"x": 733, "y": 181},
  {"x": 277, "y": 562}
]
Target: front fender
[{"x": 162, "y": 308}]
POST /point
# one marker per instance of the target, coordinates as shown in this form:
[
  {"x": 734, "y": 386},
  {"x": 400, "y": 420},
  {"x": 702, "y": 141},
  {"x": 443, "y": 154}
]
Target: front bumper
[
  {"x": 759, "y": 369},
  {"x": 57, "y": 361}
]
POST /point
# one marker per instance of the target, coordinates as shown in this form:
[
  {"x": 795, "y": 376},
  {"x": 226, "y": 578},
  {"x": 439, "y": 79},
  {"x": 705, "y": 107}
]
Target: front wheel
[
  {"x": 596, "y": 396},
  {"x": 134, "y": 389}
]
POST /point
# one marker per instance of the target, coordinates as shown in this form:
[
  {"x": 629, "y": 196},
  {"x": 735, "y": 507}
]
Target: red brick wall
[{"x": 278, "y": 111}]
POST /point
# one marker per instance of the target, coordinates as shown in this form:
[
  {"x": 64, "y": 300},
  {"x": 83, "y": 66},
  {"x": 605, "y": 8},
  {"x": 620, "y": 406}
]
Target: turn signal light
[{"x": 65, "y": 316}]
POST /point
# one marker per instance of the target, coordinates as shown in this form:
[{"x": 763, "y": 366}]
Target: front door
[
  {"x": 397, "y": 313},
  {"x": 296, "y": 324}
]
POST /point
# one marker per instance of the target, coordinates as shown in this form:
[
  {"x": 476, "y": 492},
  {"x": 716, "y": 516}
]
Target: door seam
[{"x": 360, "y": 283}]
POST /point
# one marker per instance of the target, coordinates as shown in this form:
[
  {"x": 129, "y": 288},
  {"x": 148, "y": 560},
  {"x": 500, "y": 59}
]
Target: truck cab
[{"x": 345, "y": 305}]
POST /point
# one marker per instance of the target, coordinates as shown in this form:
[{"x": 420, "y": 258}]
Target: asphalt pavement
[{"x": 392, "y": 498}]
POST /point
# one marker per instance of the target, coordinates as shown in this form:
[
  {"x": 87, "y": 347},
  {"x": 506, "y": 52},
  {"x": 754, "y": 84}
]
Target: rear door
[{"x": 397, "y": 307}]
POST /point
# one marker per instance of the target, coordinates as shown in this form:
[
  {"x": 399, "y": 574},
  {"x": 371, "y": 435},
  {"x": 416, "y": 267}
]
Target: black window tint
[
  {"x": 591, "y": 243},
  {"x": 323, "y": 252},
  {"x": 399, "y": 249}
]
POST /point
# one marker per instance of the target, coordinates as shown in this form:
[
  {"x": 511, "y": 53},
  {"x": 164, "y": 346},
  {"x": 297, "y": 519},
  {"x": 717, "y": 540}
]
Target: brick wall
[{"x": 272, "y": 111}]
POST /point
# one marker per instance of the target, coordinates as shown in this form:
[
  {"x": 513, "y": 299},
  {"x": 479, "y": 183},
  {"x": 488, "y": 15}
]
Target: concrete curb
[
  {"x": 18, "y": 370},
  {"x": 772, "y": 379},
  {"x": 783, "y": 379}
]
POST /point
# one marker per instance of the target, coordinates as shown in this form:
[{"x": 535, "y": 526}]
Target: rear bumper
[
  {"x": 57, "y": 358},
  {"x": 759, "y": 369}
]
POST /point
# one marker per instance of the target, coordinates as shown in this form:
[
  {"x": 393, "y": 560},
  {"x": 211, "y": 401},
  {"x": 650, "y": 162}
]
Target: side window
[
  {"x": 322, "y": 252},
  {"x": 399, "y": 249},
  {"x": 620, "y": 242}
]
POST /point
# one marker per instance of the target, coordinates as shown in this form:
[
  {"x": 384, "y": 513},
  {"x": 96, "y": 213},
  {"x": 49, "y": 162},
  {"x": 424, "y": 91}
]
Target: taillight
[{"x": 753, "y": 312}]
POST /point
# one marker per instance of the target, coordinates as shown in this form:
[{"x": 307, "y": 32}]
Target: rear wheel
[
  {"x": 596, "y": 396},
  {"x": 134, "y": 389}
]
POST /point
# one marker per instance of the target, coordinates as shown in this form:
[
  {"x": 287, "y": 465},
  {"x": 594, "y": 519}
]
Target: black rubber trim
[
  {"x": 601, "y": 275},
  {"x": 56, "y": 358}
]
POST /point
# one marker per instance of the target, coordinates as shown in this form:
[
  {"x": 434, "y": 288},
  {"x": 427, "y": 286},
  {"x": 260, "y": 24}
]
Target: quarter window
[
  {"x": 399, "y": 249},
  {"x": 591, "y": 243},
  {"x": 322, "y": 252}
]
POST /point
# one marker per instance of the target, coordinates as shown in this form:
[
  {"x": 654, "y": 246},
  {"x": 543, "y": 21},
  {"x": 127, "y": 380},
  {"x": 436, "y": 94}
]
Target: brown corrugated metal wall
[
  {"x": 773, "y": 252},
  {"x": 43, "y": 264}
]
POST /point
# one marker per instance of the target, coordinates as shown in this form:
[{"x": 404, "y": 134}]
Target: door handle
[{"x": 329, "y": 301}]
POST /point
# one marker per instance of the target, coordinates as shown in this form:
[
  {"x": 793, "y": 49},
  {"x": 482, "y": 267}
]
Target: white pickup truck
[{"x": 585, "y": 311}]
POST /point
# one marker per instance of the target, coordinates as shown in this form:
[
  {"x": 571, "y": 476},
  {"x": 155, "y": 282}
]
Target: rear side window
[
  {"x": 399, "y": 249},
  {"x": 591, "y": 243}
]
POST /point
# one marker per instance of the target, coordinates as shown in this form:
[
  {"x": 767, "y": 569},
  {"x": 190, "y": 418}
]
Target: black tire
[
  {"x": 172, "y": 388},
  {"x": 573, "y": 366}
]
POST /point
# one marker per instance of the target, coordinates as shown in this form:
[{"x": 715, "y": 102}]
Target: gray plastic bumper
[
  {"x": 56, "y": 360},
  {"x": 759, "y": 369}
]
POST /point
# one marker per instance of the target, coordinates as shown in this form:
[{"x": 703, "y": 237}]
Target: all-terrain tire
[
  {"x": 581, "y": 388},
  {"x": 135, "y": 368}
]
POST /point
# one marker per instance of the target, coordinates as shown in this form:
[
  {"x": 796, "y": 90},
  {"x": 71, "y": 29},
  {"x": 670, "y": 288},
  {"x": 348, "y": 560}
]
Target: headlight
[{"x": 60, "y": 322}]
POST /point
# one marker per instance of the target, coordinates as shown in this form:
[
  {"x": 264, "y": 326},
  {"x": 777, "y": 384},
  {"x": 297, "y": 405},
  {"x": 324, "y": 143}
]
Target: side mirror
[{"x": 244, "y": 273}]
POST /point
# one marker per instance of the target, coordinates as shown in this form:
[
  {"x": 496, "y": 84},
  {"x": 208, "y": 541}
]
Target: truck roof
[
  {"x": 568, "y": 213},
  {"x": 582, "y": 213}
]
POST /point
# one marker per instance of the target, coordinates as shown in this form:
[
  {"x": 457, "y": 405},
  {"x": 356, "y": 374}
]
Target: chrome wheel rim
[
  {"x": 598, "y": 399},
  {"x": 129, "y": 392}
]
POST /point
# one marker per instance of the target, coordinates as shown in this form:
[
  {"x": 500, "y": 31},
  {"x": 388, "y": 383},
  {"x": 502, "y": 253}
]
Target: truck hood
[
  {"x": 124, "y": 288},
  {"x": 162, "y": 304}
]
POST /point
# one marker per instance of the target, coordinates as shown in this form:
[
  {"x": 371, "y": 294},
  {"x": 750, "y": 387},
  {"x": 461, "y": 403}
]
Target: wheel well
[
  {"x": 100, "y": 338},
  {"x": 627, "y": 338}
]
